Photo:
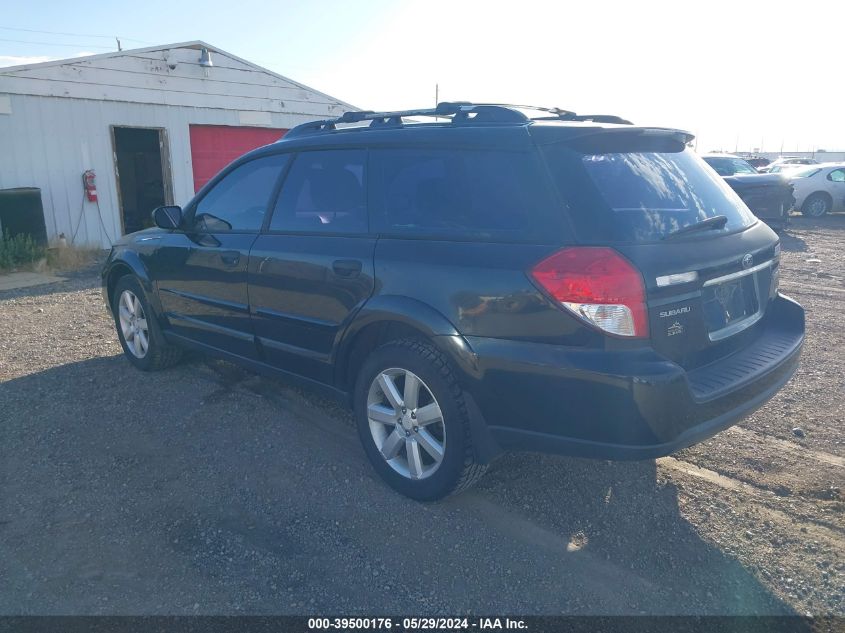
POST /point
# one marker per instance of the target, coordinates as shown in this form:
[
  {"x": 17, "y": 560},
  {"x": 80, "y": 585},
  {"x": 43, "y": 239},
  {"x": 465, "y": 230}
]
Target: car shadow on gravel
[
  {"x": 829, "y": 222},
  {"x": 790, "y": 242},
  {"x": 622, "y": 515},
  {"x": 196, "y": 490}
]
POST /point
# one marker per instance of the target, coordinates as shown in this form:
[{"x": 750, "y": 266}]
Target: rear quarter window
[
  {"x": 640, "y": 196},
  {"x": 464, "y": 194}
]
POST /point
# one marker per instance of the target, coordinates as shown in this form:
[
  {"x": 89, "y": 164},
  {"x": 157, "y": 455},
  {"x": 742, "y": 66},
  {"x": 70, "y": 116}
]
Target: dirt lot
[{"x": 204, "y": 489}]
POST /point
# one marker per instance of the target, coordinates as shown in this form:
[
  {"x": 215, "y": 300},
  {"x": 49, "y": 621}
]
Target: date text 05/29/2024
[{"x": 417, "y": 624}]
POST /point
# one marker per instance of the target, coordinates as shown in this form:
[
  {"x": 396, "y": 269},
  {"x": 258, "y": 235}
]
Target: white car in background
[
  {"x": 785, "y": 163},
  {"x": 783, "y": 168},
  {"x": 818, "y": 189}
]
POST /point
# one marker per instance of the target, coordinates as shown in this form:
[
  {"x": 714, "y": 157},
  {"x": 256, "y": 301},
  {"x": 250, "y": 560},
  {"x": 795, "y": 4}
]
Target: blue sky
[
  {"x": 290, "y": 37},
  {"x": 734, "y": 73}
]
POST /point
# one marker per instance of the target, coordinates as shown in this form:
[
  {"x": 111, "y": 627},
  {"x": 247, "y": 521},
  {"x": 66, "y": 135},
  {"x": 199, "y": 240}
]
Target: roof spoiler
[{"x": 583, "y": 136}]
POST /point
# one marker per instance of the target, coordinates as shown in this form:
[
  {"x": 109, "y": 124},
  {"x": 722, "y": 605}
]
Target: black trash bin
[{"x": 21, "y": 212}]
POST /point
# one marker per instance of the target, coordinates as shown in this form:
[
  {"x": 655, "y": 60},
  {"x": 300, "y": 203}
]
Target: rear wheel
[
  {"x": 138, "y": 329},
  {"x": 816, "y": 205},
  {"x": 412, "y": 421}
]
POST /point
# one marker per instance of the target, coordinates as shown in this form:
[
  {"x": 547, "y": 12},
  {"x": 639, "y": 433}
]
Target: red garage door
[{"x": 215, "y": 146}]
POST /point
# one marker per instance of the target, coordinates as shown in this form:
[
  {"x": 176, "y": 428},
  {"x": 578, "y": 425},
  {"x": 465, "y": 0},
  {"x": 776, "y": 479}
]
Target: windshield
[
  {"x": 805, "y": 172},
  {"x": 641, "y": 196},
  {"x": 728, "y": 166}
]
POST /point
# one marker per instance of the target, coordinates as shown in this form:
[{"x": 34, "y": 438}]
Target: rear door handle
[
  {"x": 346, "y": 267},
  {"x": 231, "y": 258}
]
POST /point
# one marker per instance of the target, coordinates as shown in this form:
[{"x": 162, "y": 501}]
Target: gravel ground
[{"x": 207, "y": 490}]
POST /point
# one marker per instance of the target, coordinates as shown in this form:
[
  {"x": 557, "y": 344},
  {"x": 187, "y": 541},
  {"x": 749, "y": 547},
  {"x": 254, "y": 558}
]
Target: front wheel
[
  {"x": 138, "y": 329},
  {"x": 413, "y": 423},
  {"x": 816, "y": 205}
]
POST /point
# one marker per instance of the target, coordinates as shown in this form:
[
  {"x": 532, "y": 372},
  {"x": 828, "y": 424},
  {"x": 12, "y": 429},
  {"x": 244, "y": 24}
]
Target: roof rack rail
[{"x": 457, "y": 112}]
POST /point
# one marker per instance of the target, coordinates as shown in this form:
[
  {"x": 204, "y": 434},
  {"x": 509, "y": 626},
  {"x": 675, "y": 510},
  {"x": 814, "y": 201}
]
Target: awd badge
[{"x": 675, "y": 328}]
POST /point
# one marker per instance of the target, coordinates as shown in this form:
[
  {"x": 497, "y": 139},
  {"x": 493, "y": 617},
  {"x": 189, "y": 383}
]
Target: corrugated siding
[
  {"x": 47, "y": 142},
  {"x": 61, "y": 115}
]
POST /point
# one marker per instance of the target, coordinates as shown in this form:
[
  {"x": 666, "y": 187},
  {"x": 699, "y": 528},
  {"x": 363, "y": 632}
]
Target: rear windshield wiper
[{"x": 716, "y": 222}]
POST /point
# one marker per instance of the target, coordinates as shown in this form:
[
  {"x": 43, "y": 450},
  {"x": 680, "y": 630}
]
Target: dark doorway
[{"x": 140, "y": 154}]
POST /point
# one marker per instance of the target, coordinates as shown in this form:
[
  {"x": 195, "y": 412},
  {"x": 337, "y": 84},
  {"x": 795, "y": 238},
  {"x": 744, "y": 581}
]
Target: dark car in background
[
  {"x": 498, "y": 278},
  {"x": 758, "y": 162},
  {"x": 769, "y": 196}
]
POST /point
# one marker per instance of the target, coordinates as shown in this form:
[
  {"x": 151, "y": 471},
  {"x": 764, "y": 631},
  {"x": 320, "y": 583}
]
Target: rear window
[
  {"x": 641, "y": 196},
  {"x": 806, "y": 172},
  {"x": 463, "y": 194}
]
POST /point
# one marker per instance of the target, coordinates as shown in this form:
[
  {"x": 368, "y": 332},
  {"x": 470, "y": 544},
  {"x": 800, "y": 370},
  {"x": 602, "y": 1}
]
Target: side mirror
[{"x": 169, "y": 217}]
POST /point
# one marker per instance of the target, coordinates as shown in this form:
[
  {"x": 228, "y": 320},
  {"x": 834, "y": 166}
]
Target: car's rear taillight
[{"x": 598, "y": 285}]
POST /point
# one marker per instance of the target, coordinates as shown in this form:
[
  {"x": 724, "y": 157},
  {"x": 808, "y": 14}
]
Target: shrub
[{"x": 18, "y": 250}]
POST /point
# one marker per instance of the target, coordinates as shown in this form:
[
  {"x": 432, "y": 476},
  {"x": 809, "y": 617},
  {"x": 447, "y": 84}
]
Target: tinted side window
[
  {"x": 324, "y": 192},
  {"x": 239, "y": 201},
  {"x": 455, "y": 193}
]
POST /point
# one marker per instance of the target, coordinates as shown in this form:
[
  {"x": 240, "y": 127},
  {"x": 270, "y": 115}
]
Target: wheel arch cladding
[
  {"x": 396, "y": 318},
  {"x": 116, "y": 271},
  {"x": 128, "y": 263},
  {"x": 382, "y": 319}
]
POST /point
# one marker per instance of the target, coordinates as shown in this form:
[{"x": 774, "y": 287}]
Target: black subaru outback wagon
[{"x": 474, "y": 279}]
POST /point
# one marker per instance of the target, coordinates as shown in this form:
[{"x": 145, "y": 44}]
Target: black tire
[
  {"x": 458, "y": 469},
  {"x": 159, "y": 354},
  {"x": 816, "y": 205}
]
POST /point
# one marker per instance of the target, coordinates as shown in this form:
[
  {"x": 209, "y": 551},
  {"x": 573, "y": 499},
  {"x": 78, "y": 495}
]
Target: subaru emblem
[{"x": 747, "y": 261}]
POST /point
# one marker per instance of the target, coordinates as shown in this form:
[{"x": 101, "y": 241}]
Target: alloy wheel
[
  {"x": 817, "y": 207},
  {"x": 406, "y": 423},
  {"x": 133, "y": 324}
]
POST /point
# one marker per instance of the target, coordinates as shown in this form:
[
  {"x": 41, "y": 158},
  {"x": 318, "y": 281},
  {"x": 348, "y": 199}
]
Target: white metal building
[
  {"x": 154, "y": 124},
  {"x": 821, "y": 156}
]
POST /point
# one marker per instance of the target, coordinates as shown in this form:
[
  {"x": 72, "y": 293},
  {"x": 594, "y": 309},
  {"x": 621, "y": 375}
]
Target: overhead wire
[
  {"x": 110, "y": 37},
  {"x": 3, "y": 39}
]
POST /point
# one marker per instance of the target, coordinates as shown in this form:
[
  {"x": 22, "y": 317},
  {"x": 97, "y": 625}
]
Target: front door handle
[
  {"x": 231, "y": 258},
  {"x": 346, "y": 267}
]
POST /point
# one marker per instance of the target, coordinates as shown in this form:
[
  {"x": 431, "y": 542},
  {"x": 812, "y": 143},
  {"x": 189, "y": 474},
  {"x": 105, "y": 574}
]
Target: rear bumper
[{"x": 628, "y": 404}]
